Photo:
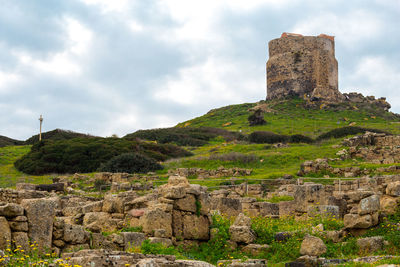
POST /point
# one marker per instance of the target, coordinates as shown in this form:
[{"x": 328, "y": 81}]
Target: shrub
[
  {"x": 183, "y": 136},
  {"x": 5, "y": 141},
  {"x": 257, "y": 118},
  {"x": 157, "y": 248},
  {"x": 57, "y": 134},
  {"x": 263, "y": 137},
  {"x": 130, "y": 163},
  {"x": 87, "y": 154},
  {"x": 299, "y": 138},
  {"x": 348, "y": 130},
  {"x": 235, "y": 156},
  {"x": 99, "y": 184}
]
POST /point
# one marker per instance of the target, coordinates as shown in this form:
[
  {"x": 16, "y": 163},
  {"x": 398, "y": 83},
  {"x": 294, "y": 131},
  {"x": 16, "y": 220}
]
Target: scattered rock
[
  {"x": 312, "y": 246},
  {"x": 370, "y": 244}
]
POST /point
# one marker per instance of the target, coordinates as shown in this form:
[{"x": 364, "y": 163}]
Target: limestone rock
[
  {"x": 93, "y": 207},
  {"x": 11, "y": 210},
  {"x": 98, "y": 241},
  {"x": 190, "y": 263},
  {"x": 40, "y": 214},
  {"x": 357, "y": 221},
  {"x": 369, "y": 205},
  {"x": 255, "y": 249},
  {"x": 19, "y": 226},
  {"x": 312, "y": 246},
  {"x": 188, "y": 203},
  {"x": 133, "y": 239},
  {"x": 242, "y": 220},
  {"x": 20, "y": 239},
  {"x": 75, "y": 234},
  {"x": 388, "y": 204},
  {"x": 156, "y": 219},
  {"x": 370, "y": 244},
  {"x": 99, "y": 222},
  {"x": 241, "y": 234},
  {"x": 175, "y": 188},
  {"x": 147, "y": 263},
  {"x": 393, "y": 189},
  {"x": 196, "y": 227},
  {"x": 164, "y": 241},
  {"x": 5, "y": 234},
  {"x": 241, "y": 231}
]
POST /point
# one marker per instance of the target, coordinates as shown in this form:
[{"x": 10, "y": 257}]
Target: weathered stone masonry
[{"x": 302, "y": 65}]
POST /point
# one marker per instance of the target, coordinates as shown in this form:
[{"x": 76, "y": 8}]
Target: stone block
[
  {"x": 40, "y": 214},
  {"x": 133, "y": 239},
  {"x": 5, "y": 234},
  {"x": 11, "y": 210}
]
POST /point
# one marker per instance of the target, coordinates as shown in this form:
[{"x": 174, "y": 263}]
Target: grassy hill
[
  {"x": 57, "y": 134},
  {"x": 226, "y": 130},
  {"x": 294, "y": 116},
  {"x": 6, "y": 141}
]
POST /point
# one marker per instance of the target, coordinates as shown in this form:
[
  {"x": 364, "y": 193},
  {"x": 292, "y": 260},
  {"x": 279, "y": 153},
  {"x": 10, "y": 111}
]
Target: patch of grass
[
  {"x": 292, "y": 116},
  {"x": 277, "y": 199},
  {"x": 9, "y": 175}
]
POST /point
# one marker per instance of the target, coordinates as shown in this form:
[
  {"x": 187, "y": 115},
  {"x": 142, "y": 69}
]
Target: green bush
[
  {"x": 183, "y": 136},
  {"x": 5, "y": 141},
  {"x": 157, "y": 248},
  {"x": 263, "y": 137},
  {"x": 257, "y": 118},
  {"x": 348, "y": 130},
  {"x": 299, "y": 138},
  {"x": 57, "y": 134},
  {"x": 87, "y": 154},
  {"x": 235, "y": 156},
  {"x": 130, "y": 163}
]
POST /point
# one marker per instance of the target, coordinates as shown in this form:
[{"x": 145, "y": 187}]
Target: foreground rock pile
[{"x": 179, "y": 213}]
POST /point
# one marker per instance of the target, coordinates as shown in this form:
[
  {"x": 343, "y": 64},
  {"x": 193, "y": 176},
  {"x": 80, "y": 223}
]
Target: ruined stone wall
[
  {"x": 302, "y": 65},
  {"x": 376, "y": 148}
]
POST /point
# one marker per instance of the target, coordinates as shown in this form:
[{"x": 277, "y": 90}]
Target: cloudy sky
[{"x": 112, "y": 67}]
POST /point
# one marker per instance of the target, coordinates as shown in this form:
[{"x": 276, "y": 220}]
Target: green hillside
[
  {"x": 57, "y": 134},
  {"x": 223, "y": 137},
  {"x": 6, "y": 141},
  {"x": 295, "y": 116}
]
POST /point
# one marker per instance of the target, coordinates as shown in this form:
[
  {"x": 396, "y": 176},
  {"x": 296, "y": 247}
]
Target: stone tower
[{"x": 303, "y": 66}]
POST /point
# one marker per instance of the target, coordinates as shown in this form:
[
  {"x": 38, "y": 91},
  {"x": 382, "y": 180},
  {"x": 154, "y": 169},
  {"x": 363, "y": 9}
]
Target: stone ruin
[
  {"x": 305, "y": 66},
  {"x": 177, "y": 213}
]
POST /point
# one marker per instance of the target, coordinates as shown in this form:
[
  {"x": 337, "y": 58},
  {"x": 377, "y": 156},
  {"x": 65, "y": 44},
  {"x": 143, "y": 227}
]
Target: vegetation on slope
[
  {"x": 6, "y": 141},
  {"x": 9, "y": 175},
  {"x": 130, "y": 163},
  {"x": 183, "y": 136},
  {"x": 294, "y": 116},
  {"x": 57, "y": 134},
  {"x": 281, "y": 251},
  {"x": 86, "y": 154}
]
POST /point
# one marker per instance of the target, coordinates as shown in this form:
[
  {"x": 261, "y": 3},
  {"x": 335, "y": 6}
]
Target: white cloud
[
  {"x": 352, "y": 28},
  {"x": 109, "y": 5},
  {"x": 375, "y": 75},
  {"x": 6, "y": 79},
  {"x": 65, "y": 62},
  {"x": 80, "y": 37},
  {"x": 213, "y": 81}
]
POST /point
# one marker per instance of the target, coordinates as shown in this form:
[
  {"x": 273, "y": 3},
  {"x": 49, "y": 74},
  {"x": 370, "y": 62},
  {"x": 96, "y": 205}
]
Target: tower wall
[{"x": 302, "y": 66}]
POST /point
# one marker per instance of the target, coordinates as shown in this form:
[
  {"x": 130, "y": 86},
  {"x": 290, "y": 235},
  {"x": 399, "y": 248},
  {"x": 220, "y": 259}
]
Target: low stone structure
[
  {"x": 375, "y": 148},
  {"x": 303, "y": 66},
  {"x": 202, "y": 173},
  {"x": 122, "y": 259}
]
